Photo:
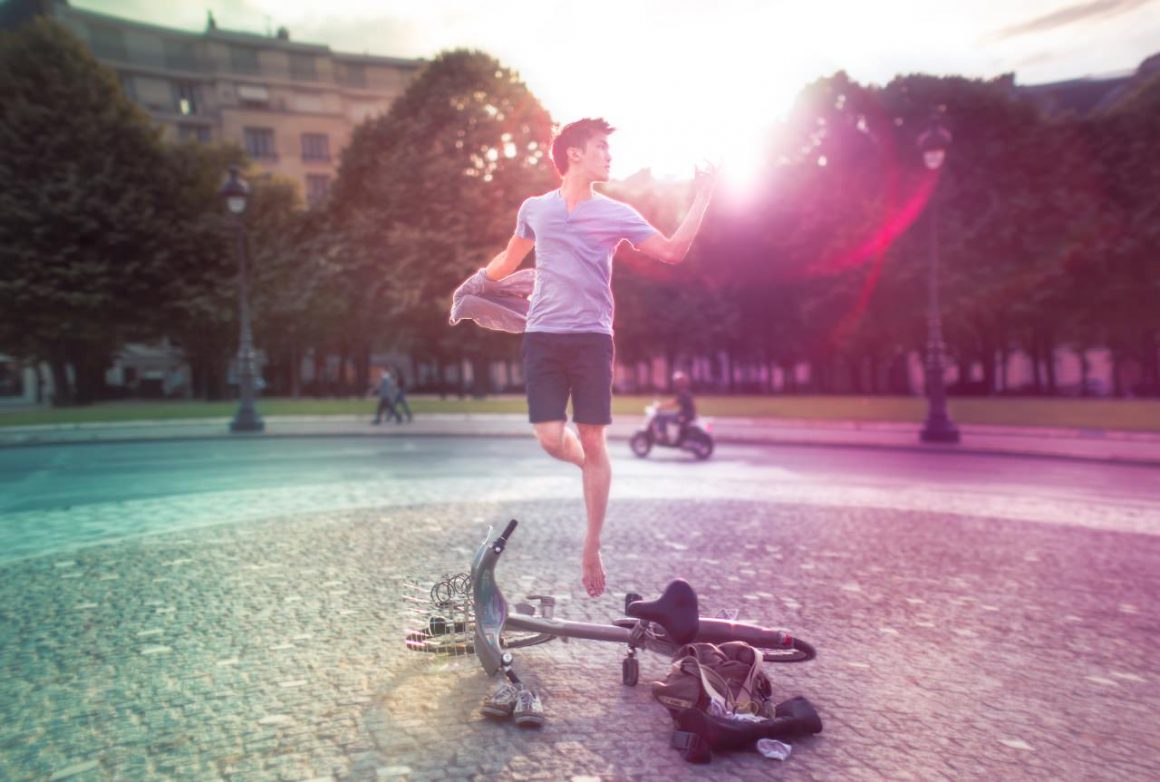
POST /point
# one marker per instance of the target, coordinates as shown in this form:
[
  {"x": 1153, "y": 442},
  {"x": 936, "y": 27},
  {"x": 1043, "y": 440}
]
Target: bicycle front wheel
[
  {"x": 800, "y": 652},
  {"x": 776, "y": 646}
]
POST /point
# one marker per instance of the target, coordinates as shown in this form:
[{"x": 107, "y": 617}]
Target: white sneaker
[
  {"x": 501, "y": 703},
  {"x": 529, "y": 711}
]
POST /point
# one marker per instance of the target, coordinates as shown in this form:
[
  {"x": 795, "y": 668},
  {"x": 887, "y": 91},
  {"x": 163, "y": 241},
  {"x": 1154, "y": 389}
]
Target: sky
[{"x": 686, "y": 81}]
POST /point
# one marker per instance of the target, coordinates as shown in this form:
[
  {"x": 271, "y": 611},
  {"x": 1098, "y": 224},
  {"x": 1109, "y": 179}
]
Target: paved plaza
[{"x": 257, "y": 634}]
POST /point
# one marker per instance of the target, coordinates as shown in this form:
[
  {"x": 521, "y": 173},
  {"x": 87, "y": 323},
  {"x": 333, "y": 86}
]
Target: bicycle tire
[
  {"x": 524, "y": 640},
  {"x": 457, "y": 644},
  {"x": 800, "y": 652},
  {"x": 777, "y": 646}
]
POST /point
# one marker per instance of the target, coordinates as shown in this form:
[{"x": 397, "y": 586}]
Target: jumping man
[{"x": 567, "y": 347}]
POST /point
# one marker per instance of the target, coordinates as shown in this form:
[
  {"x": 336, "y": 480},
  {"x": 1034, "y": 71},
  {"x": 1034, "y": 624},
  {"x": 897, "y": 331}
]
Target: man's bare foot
[{"x": 593, "y": 568}]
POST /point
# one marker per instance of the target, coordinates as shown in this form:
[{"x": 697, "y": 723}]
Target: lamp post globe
[
  {"x": 938, "y": 427},
  {"x": 934, "y": 143},
  {"x": 235, "y": 193}
]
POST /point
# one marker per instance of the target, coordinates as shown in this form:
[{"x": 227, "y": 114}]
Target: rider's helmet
[{"x": 680, "y": 380}]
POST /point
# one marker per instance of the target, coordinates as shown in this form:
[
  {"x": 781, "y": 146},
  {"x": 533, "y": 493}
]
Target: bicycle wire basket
[{"x": 440, "y": 617}]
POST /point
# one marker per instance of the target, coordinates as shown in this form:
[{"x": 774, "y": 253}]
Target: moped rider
[{"x": 680, "y": 410}]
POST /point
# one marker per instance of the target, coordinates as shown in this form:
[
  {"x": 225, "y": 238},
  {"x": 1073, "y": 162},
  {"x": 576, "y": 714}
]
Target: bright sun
[{"x": 682, "y": 98}]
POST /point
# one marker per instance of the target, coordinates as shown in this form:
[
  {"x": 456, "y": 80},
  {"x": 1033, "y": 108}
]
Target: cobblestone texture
[{"x": 950, "y": 647}]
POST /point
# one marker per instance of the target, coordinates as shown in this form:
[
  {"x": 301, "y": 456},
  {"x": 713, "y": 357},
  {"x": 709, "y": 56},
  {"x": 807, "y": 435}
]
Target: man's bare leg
[
  {"x": 597, "y": 484},
  {"x": 560, "y": 441}
]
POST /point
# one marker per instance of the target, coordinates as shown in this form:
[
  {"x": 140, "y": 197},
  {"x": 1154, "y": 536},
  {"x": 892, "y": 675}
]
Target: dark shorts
[{"x": 557, "y": 366}]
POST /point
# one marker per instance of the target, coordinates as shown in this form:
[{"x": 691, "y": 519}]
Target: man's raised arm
[
  {"x": 673, "y": 250},
  {"x": 510, "y": 258}
]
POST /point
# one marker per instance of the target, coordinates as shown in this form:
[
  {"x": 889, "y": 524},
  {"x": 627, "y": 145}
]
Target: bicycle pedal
[{"x": 527, "y": 609}]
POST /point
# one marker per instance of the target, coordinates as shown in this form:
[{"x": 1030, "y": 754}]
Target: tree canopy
[
  {"x": 84, "y": 262},
  {"x": 428, "y": 192},
  {"x": 1046, "y": 233}
]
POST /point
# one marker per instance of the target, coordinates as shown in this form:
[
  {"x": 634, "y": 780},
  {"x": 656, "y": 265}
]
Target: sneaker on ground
[
  {"x": 529, "y": 711},
  {"x": 501, "y": 703}
]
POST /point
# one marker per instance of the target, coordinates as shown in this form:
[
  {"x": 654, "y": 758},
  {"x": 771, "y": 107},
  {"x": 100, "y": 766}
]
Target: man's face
[{"x": 595, "y": 159}]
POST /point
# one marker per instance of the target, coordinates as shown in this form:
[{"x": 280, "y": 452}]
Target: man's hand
[{"x": 705, "y": 179}]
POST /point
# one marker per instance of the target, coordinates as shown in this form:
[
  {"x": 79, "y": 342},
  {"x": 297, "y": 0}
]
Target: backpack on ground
[
  {"x": 720, "y": 699},
  {"x": 725, "y": 680}
]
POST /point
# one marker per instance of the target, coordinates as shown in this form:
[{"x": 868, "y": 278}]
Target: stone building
[{"x": 291, "y": 106}]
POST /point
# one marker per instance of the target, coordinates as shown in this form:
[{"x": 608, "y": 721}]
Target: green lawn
[{"x": 1132, "y": 414}]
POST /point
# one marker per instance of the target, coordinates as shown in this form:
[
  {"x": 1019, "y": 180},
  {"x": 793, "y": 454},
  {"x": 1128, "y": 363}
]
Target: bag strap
[{"x": 714, "y": 684}]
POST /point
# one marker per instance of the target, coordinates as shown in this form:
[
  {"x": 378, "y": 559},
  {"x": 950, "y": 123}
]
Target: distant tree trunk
[
  {"x": 88, "y": 374},
  {"x": 440, "y": 387},
  {"x": 725, "y": 359},
  {"x": 62, "y": 391},
  {"x": 1036, "y": 376},
  {"x": 820, "y": 375},
  {"x": 789, "y": 379},
  {"x": 988, "y": 359},
  {"x": 319, "y": 371},
  {"x": 514, "y": 371},
  {"x": 341, "y": 384},
  {"x": 1049, "y": 358},
  {"x": 854, "y": 371},
  {"x": 1117, "y": 367},
  {"x": 295, "y": 371},
  {"x": 480, "y": 376},
  {"x": 362, "y": 367},
  {"x": 1150, "y": 358}
]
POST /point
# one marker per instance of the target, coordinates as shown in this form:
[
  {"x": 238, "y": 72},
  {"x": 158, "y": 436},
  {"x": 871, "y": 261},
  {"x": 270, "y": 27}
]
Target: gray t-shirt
[{"x": 573, "y": 290}]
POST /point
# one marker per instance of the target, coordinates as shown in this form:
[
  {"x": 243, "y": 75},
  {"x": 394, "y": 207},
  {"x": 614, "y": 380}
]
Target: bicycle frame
[{"x": 492, "y": 617}]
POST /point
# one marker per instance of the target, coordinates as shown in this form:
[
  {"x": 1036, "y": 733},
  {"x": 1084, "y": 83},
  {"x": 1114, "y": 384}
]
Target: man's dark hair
[{"x": 576, "y": 134}]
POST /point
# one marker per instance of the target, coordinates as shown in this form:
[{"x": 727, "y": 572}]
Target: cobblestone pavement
[{"x": 958, "y": 639}]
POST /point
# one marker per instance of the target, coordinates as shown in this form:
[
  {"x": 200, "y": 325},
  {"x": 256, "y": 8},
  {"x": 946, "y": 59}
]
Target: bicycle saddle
[{"x": 675, "y": 610}]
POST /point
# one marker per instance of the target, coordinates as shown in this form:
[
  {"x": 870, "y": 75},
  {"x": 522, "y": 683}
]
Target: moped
[{"x": 695, "y": 437}]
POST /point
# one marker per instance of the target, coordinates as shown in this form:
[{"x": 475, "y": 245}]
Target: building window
[
  {"x": 186, "y": 96},
  {"x": 198, "y": 133},
  {"x": 244, "y": 59},
  {"x": 315, "y": 146},
  {"x": 254, "y": 94},
  {"x": 128, "y": 86},
  {"x": 302, "y": 67},
  {"x": 317, "y": 188},
  {"x": 260, "y": 143},
  {"x": 353, "y": 74},
  {"x": 181, "y": 55},
  {"x": 107, "y": 42}
]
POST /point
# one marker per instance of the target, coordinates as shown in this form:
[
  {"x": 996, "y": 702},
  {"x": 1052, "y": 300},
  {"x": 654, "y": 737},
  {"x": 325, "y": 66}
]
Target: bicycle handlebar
[
  {"x": 511, "y": 527},
  {"x": 500, "y": 542}
]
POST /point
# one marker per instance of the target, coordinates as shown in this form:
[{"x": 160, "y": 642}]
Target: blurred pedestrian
[
  {"x": 401, "y": 395},
  {"x": 388, "y": 392}
]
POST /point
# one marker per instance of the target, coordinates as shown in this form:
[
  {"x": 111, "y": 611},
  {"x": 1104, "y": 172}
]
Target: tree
[
  {"x": 295, "y": 284},
  {"x": 429, "y": 192},
  {"x": 1122, "y": 142},
  {"x": 83, "y": 210},
  {"x": 199, "y": 312}
]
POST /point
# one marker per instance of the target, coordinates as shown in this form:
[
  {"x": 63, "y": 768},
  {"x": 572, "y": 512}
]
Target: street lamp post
[
  {"x": 938, "y": 428},
  {"x": 234, "y": 192}
]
